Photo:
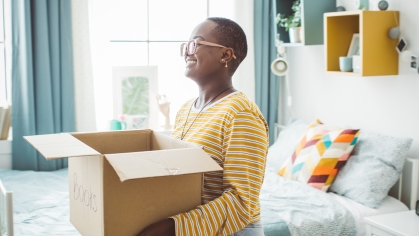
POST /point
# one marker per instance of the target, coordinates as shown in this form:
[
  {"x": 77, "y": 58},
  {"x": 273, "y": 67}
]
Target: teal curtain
[
  {"x": 42, "y": 77},
  {"x": 267, "y": 84}
]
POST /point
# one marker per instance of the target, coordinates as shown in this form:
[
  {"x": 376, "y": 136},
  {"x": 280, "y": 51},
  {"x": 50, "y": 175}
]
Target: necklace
[{"x": 193, "y": 103}]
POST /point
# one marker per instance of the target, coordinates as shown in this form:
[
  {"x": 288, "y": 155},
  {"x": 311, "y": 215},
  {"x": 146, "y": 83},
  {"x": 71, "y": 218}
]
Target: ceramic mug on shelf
[
  {"x": 345, "y": 64},
  {"x": 117, "y": 125}
]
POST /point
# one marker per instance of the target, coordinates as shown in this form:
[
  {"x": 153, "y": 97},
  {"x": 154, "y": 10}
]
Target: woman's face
[{"x": 206, "y": 62}]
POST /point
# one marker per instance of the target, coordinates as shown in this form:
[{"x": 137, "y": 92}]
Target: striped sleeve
[{"x": 245, "y": 147}]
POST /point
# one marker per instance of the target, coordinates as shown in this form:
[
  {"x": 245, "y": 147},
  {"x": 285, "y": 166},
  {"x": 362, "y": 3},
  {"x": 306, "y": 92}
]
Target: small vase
[{"x": 295, "y": 35}]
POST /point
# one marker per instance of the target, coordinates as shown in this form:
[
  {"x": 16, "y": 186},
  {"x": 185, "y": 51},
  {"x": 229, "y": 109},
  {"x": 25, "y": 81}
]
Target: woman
[{"x": 231, "y": 129}]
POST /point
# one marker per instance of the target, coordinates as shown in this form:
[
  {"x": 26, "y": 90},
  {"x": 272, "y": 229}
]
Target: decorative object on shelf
[
  {"x": 383, "y": 5},
  {"x": 362, "y": 4},
  {"x": 295, "y": 35},
  {"x": 137, "y": 121},
  {"x": 394, "y": 33},
  {"x": 134, "y": 90},
  {"x": 345, "y": 64},
  {"x": 164, "y": 106},
  {"x": 340, "y": 8},
  {"x": 401, "y": 46},
  {"x": 414, "y": 62},
  {"x": 354, "y": 49},
  {"x": 356, "y": 64},
  {"x": 292, "y": 23}
]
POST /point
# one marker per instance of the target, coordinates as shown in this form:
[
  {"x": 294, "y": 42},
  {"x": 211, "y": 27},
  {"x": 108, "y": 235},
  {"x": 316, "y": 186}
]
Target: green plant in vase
[{"x": 292, "y": 23}]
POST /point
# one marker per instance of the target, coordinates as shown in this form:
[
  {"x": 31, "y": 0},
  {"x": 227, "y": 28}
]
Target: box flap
[
  {"x": 56, "y": 146},
  {"x": 160, "y": 141},
  {"x": 162, "y": 163}
]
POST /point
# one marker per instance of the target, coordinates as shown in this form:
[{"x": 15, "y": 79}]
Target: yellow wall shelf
[{"x": 377, "y": 50}]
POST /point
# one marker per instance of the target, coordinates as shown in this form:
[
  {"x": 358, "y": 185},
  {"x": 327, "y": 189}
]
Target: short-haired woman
[{"x": 231, "y": 129}]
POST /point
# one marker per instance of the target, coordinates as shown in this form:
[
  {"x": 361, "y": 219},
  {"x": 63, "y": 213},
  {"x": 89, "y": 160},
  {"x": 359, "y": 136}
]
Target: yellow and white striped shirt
[{"x": 235, "y": 134}]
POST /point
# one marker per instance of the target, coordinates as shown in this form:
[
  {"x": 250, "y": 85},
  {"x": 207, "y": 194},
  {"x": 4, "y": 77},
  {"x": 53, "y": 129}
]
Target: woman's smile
[{"x": 190, "y": 62}]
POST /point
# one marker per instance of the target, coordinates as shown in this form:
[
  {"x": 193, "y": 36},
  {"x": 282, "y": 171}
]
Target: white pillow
[
  {"x": 285, "y": 145},
  {"x": 373, "y": 168}
]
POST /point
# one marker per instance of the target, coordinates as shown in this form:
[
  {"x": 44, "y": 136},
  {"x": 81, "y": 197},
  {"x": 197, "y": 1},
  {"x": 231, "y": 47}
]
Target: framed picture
[
  {"x": 354, "y": 48},
  {"x": 134, "y": 96},
  {"x": 401, "y": 45}
]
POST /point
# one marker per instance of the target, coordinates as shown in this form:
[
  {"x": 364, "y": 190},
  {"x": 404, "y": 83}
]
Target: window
[
  {"x": 149, "y": 32},
  {"x": 3, "y": 84}
]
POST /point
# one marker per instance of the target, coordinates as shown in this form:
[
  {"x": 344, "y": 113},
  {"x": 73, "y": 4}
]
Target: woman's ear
[{"x": 228, "y": 55}]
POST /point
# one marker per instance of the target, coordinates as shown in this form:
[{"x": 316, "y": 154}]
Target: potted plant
[{"x": 292, "y": 23}]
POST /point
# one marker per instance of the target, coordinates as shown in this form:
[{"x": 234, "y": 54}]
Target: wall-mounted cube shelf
[
  {"x": 378, "y": 55},
  {"x": 311, "y": 20}
]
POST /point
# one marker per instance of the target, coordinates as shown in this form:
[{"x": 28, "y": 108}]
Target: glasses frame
[{"x": 197, "y": 42}]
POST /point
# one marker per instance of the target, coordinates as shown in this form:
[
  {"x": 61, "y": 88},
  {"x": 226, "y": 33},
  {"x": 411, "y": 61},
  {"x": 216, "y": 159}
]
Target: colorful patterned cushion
[{"x": 319, "y": 155}]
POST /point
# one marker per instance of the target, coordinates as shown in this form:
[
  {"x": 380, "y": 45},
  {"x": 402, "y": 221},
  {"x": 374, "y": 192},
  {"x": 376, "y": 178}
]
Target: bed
[
  {"x": 41, "y": 205},
  {"x": 292, "y": 208}
]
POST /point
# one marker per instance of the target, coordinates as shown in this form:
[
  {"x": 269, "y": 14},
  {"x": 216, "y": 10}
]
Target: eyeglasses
[{"x": 189, "y": 48}]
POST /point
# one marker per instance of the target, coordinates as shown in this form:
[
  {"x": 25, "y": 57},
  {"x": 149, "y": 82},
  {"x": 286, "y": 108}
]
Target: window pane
[
  {"x": 2, "y": 76},
  {"x": 129, "y": 54},
  {"x": 128, "y": 20},
  {"x": 172, "y": 80},
  {"x": 175, "y": 20}
]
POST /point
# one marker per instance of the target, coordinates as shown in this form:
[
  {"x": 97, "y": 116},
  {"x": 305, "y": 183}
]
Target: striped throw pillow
[{"x": 319, "y": 155}]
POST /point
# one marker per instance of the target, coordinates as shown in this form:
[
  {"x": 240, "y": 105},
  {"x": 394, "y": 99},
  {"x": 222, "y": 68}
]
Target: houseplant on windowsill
[{"x": 292, "y": 23}]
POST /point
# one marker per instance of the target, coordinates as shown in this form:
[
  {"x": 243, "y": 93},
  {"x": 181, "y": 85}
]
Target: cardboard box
[{"x": 122, "y": 181}]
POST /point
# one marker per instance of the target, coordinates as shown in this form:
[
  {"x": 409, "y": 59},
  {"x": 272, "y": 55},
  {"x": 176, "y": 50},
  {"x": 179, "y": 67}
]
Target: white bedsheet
[
  {"x": 40, "y": 202},
  {"x": 359, "y": 211}
]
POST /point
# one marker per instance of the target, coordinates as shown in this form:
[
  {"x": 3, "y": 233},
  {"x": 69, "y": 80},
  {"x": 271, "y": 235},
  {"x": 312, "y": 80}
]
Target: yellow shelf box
[{"x": 378, "y": 55}]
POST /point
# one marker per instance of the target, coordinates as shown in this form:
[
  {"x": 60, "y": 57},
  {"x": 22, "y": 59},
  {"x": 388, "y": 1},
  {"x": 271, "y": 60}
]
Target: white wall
[
  {"x": 240, "y": 11},
  {"x": 384, "y": 104}
]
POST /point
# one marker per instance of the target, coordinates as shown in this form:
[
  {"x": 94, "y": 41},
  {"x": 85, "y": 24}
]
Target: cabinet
[
  {"x": 311, "y": 19},
  {"x": 378, "y": 55},
  {"x": 405, "y": 223}
]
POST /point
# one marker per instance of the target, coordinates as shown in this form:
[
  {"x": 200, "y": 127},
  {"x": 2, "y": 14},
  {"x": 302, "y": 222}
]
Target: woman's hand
[{"x": 162, "y": 228}]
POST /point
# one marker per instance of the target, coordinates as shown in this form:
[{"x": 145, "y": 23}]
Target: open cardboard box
[{"x": 122, "y": 181}]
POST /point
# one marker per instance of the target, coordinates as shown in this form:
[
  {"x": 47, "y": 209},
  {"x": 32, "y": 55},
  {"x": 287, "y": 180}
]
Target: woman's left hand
[{"x": 162, "y": 228}]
